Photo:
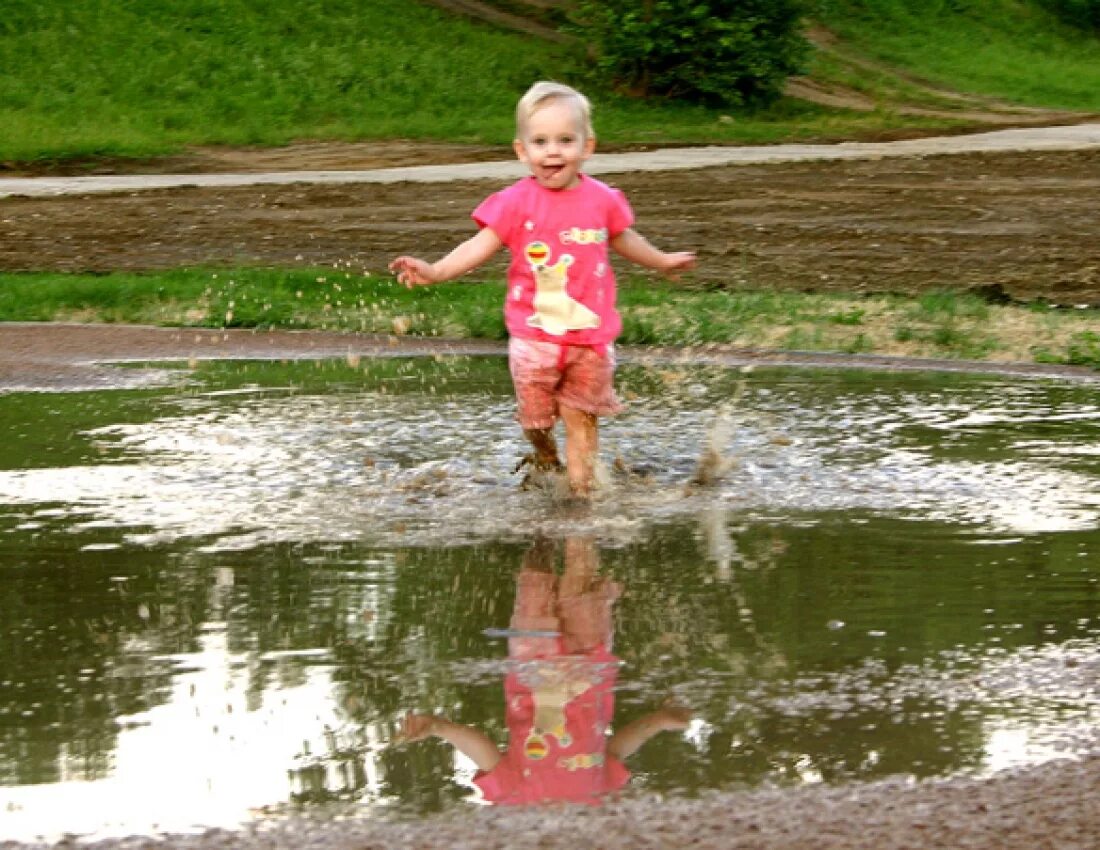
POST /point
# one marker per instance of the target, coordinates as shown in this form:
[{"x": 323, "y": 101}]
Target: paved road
[{"x": 1074, "y": 137}]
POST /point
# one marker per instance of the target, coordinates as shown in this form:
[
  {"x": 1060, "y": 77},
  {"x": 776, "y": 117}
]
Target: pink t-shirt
[
  {"x": 561, "y": 287},
  {"x": 568, "y": 761}
]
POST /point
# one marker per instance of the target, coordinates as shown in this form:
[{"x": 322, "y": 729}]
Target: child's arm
[
  {"x": 636, "y": 248},
  {"x": 630, "y": 738},
  {"x": 412, "y": 271},
  {"x": 467, "y": 740}
]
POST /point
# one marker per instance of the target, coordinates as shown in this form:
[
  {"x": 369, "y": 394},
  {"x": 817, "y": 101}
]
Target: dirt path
[
  {"x": 906, "y": 93},
  {"x": 79, "y": 357},
  {"x": 1069, "y": 137},
  {"x": 1021, "y": 223}
]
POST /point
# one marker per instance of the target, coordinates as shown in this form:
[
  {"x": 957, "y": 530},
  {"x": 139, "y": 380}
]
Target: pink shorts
[{"x": 547, "y": 374}]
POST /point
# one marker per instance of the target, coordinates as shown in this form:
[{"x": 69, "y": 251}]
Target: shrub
[
  {"x": 719, "y": 52},
  {"x": 1083, "y": 14}
]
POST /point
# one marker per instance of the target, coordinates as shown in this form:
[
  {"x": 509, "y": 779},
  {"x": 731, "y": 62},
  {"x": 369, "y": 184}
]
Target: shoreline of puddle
[{"x": 60, "y": 357}]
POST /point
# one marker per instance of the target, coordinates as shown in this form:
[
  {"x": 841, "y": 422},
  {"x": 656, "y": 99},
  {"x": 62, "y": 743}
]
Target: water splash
[{"x": 246, "y": 469}]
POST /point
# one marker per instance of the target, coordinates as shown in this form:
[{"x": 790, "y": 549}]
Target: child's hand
[
  {"x": 413, "y": 272},
  {"x": 415, "y": 727},
  {"x": 677, "y": 262}
]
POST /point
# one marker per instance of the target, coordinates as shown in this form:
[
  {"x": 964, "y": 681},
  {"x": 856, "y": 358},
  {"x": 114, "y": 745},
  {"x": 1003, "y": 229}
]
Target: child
[
  {"x": 558, "y": 693},
  {"x": 560, "y": 307}
]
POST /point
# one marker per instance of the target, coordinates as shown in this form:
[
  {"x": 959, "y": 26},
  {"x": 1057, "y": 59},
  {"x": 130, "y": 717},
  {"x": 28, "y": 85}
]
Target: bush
[
  {"x": 719, "y": 52},
  {"x": 1083, "y": 14}
]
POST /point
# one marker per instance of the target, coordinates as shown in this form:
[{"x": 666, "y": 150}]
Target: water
[{"x": 221, "y": 597}]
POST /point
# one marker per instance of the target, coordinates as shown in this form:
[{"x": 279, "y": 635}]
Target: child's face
[{"x": 554, "y": 145}]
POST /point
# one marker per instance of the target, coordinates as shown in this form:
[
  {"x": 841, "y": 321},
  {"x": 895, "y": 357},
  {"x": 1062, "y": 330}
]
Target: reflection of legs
[
  {"x": 540, "y": 555},
  {"x": 536, "y": 597},
  {"x": 584, "y": 598},
  {"x": 581, "y": 445},
  {"x": 582, "y": 565}
]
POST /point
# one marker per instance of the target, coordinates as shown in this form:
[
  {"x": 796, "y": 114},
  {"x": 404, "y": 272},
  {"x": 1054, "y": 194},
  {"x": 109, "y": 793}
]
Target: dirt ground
[
  {"x": 1054, "y": 807},
  {"x": 1022, "y": 224}
]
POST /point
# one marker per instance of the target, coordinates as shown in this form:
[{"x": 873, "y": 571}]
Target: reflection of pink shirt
[
  {"x": 561, "y": 287},
  {"x": 569, "y": 763}
]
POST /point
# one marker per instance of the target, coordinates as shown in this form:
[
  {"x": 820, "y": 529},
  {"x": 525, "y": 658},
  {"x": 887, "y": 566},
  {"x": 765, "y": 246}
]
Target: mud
[
  {"x": 1014, "y": 225},
  {"x": 1053, "y": 807}
]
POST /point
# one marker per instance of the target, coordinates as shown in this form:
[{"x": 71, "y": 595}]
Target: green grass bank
[{"x": 941, "y": 325}]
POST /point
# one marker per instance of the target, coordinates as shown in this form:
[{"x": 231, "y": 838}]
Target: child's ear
[
  {"x": 589, "y": 146},
  {"x": 521, "y": 152}
]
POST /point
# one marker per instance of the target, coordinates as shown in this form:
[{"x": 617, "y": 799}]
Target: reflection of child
[
  {"x": 560, "y": 308},
  {"x": 559, "y": 693}
]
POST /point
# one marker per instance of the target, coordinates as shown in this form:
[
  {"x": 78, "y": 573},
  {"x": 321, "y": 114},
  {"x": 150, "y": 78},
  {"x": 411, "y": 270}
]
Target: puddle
[{"x": 222, "y": 598}]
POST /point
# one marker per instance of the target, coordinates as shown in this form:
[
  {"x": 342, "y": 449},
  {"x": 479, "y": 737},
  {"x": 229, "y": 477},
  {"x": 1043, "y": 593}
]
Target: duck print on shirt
[{"x": 555, "y": 311}]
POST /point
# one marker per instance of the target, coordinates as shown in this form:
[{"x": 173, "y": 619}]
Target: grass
[
  {"x": 112, "y": 78},
  {"x": 149, "y": 77},
  {"x": 942, "y": 325},
  {"x": 1010, "y": 49}
]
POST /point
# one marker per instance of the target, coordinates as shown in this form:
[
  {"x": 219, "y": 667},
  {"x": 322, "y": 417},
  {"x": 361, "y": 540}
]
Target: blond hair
[{"x": 547, "y": 90}]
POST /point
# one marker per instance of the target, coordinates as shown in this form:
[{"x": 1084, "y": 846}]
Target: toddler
[{"x": 560, "y": 312}]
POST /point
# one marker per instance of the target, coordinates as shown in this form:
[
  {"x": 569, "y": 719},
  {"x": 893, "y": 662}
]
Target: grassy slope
[
  {"x": 117, "y": 77},
  {"x": 1010, "y": 49},
  {"x": 154, "y": 75}
]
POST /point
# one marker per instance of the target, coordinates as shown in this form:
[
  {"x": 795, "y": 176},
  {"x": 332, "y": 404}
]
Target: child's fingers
[
  {"x": 405, "y": 269},
  {"x": 679, "y": 262},
  {"x": 410, "y": 271},
  {"x": 404, "y": 265}
]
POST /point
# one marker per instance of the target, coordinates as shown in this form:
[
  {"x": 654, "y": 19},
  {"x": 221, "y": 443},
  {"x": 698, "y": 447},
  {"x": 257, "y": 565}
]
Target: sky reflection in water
[{"x": 221, "y": 599}]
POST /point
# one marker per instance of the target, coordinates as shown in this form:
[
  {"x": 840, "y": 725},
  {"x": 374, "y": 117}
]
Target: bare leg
[
  {"x": 581, "y": 444},
  {"x": 546, "y": 448}
]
